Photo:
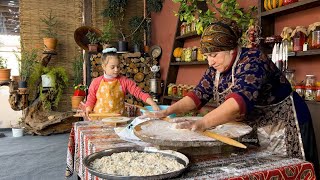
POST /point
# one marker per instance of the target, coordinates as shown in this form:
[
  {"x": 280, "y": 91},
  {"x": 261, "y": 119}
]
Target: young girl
[{"x": 107, "y": 92}]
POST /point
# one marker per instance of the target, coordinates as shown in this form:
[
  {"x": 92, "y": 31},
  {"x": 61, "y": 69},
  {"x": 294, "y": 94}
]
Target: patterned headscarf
[{"x": 222, "y": 35}]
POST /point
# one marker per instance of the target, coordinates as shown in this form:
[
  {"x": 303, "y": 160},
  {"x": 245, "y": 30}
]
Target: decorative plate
[{"x": 155, "y": 51}]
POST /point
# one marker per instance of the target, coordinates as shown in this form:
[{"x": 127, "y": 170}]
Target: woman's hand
[
  {"x": 189, "y": 124},
  {"x": 157, "y": 114}
]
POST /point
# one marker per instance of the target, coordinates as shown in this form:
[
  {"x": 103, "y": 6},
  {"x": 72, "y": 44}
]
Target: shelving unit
[{"x": 267, "y": 20}]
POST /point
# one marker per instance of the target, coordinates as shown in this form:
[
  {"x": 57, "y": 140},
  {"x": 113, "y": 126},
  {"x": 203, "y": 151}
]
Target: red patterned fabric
[{"x": 88, "y": 137}]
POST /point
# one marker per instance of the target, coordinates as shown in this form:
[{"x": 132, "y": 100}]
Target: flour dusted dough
[{"x": 136, "y": 164}]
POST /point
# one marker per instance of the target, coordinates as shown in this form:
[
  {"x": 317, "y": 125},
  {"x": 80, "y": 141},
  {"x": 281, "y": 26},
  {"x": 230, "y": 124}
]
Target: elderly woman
[{"x": 247, "y": 86}]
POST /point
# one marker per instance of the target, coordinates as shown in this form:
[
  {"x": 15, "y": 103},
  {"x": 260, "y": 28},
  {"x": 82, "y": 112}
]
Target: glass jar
[
  {"x": 300, "y": 90},
  {"x": 298, "y": 40},
  {"x": 174, "y": 90},
  {"x": 315, "y": 43},
  {"x": 183, "y": 54},
  {"x": 194, "y": 54},
  {"x": 289, "y": 73},
  {"x": 184, "y": 90},
  {"x": 183, "y": 29},
  {"x": 170, "y": 89},
  {"x": 199, "y": 55},
  {"x": 286, "y": 2},
  {"x": 187, "y": 54},
  {"x": 310, "y": 93},
  {"x": 310, "y": 80},
  {"x": 288, "y": 43},
  {"x": 188, "y": 28},
  {"x": 318, "y": 94},
  {"x": 180, "y": 90},
  {"x": 193, "y": 26}
]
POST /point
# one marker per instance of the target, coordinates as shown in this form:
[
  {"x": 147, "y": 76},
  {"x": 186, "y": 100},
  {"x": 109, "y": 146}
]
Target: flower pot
[
  {"x": 136, "y": 48},
  {"x": 122, "y": 46},
  {"x": 79, "y": 92},
  {"x": 15, "y": 78},
  {"x": 93, "y": 48},
  {"x": 5, "y": 74},
  {"x": 75, "y": 101},
  {"x": 17, "y": 132},
  {"x": 47, "y": 81},
  {"x": 50, "y": 43},
  {"x": 22, "y": 84}
]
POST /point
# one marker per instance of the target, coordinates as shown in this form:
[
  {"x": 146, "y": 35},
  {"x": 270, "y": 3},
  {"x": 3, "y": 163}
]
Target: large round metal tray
[{"x": 181, "y": 158}]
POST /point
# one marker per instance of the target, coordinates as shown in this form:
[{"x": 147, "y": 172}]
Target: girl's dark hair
[{"x": 105, "y": 56}]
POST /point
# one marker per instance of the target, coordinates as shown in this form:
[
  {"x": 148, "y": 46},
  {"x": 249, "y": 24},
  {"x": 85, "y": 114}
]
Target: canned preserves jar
[
  {"x": 310, "y": 80},
  {"x": 310, "y": 93},
  {"x": 300, "y": 90}
]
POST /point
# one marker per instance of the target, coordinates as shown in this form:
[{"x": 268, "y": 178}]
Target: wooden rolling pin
[{"x": 103, "y": 114}]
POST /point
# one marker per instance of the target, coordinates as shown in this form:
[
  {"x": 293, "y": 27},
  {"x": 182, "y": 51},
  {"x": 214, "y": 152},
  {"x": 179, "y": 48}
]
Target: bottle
[
  {"x": 316, "y": 38},
  {"x": 299, "y": 38}
]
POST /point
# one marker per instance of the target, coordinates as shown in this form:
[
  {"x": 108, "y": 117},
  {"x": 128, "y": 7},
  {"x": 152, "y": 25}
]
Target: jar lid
[
  {"x": 311, "y": 87},
  {"x": 299, "y": 87},
  {"x": 309, "y": 75}
]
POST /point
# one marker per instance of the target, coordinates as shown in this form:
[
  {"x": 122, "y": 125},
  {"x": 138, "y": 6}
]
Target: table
[{"x": 88, "y": 137}]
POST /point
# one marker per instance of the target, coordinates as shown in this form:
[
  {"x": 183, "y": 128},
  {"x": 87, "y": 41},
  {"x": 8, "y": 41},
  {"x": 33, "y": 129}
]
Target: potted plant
[
  {"x": 137, "y": 25},
  {"x": 108, "y": 33},
  {"x": 50, "y": 39},
  {"x": 4, "y": 72},
  {"x": 18, "y": 127},
  {"x": 94, "y": 40},
  {"x": 26, "y": 63},
  {"x": 116, "y": 11},
  {"x": 79, "y": 88}
]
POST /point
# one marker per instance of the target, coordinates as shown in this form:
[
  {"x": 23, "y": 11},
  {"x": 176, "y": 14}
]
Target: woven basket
[{"x": 81, "y": 38}]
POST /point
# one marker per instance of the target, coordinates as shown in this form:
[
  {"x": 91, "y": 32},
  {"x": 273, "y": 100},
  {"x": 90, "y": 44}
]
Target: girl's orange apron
[{"x": 110, "y": 98}]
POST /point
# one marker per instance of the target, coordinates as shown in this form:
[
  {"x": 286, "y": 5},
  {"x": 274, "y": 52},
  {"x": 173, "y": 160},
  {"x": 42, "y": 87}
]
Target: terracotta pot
[
  {"x": 93, "y": 48},
  {"x": 50, "y": 43},
  {"x": 15, "y": 78},
  {"x": 5, "y": 74},
  {"x": 75, "y": 101}
]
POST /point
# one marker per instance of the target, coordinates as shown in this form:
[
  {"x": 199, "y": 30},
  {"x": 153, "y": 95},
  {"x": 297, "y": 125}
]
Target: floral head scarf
[{"x": 222, "y": 35}]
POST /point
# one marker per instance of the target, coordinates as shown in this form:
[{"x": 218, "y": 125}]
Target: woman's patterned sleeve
[
  {"x": 203, "y": 92},
  {"x": 250, "y": 75}
]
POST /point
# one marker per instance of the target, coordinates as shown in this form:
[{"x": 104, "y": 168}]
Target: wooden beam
[{"x": 87, "y": 12}]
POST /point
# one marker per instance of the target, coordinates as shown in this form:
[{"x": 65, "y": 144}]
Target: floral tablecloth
[{"x": 91, "y": 136}]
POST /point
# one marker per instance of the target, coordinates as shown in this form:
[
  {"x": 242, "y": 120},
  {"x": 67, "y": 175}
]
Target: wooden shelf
[
  {"x": 291, "y": 8},
  {"x": 308, "y": 53},
  {"x": 313, "y": 102},
  {"x": 189, "y": 63},
  {"x": 178, "y": 98},
  {"x": 188, "y": 36}
]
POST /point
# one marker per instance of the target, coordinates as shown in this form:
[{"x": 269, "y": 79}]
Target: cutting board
[{"x": 163, "y": 133}]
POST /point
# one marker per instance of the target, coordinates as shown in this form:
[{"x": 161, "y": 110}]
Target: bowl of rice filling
[{"x": 136, "y": 163}]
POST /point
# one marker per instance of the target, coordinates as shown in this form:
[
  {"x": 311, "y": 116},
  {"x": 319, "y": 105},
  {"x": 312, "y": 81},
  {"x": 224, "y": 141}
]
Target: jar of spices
[
  {"x": 300, "y": 89},
  {"x": 187, "y": 54},
  {"x": 199, "y": 55},
  {"x": 184, "y": 90},
  {"x": 183, "y": 54},
  {"x": 299, "y": 38},
  {"x": 194, "y": 54},
  {"x": 174, "y": 90},
  {"x": 170, "y": 89},
  {"x": 310, "y": 80},
  {"x": 315, "y": 43},
  {"x": 180, "y": 90},
  {"x": 318, "y": 93},
  {"x": 310, "y": 93},
  {"x": 188, "y": 28},
  {"x": 183, "y": 29},
  {"x": 193, "y": 26}
]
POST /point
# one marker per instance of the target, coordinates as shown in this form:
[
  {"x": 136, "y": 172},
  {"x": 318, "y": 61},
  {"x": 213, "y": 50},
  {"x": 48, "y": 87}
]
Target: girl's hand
[
  {"x": 87, "y": 112},
  {"x": 155, "y": 107}
]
